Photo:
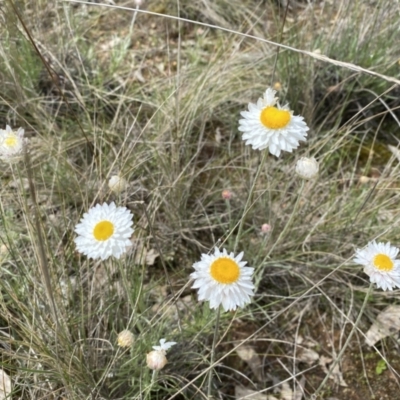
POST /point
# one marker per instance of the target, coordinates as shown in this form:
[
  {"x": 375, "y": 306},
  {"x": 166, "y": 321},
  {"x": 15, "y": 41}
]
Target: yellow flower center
[
  {"x": 11, "y": 141},
  {"x": 273, "y": 118},
  {"x": 103, "y": 230},
  {"x": 225, "y": 270},
  {"x": 383, "y": 262}
]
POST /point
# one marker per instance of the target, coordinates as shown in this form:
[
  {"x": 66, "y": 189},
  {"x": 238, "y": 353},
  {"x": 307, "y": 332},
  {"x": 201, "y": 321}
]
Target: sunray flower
[
  {"x": 268, "y": 125},
  {"x": 223, "y": 279},
  {"x": 11, "y": 143},
  {"x": 380, "y": 264},
  {"x": 104, "y": 231}
]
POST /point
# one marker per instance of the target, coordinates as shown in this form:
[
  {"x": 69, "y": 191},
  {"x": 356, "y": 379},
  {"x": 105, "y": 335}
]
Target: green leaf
[{"x": 380, "y": 367}]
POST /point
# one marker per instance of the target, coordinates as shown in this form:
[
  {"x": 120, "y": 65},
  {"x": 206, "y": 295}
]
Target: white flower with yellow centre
[
  {"x": 379, "y": 261},
  {"x": 104, "y": 231},
  {"x": 11, "y": 143},
  {"x": 268, "y": 125},
  {"x": 223, "y": 279}
]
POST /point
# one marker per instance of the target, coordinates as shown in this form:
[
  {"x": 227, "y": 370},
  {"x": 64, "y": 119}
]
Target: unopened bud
[
  {"x": 156, "y": 360},
  {"x": 226, "y": 194},
  {"x": 117, "y": 184},
  {"x": 125, "y": 338},
  {"x": 265, "y": 228},
  {"x": 277, "y": 86},
  {"x": 307, "y": 168}
]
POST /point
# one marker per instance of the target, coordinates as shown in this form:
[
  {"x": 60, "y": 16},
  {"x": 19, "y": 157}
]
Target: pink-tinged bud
[
  {"x": 265, "y": 228},
  {"x": 226, "y": 194},
  {"x": 156, "y": 360}
]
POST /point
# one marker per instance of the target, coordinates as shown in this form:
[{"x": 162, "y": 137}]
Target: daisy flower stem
[
  {"x": 339, "y": 356},
  {"x": 210, "y": 373},
  {"x": 149, "y": 387},
  {"x": 248, "y": 205},
  {"x": 280, "y": 41},
  {"x": 133, "y": 21},
  {"x": 228, "y": 206},
  {"x": 289, "y": 223},
  {"x": 40, "y": 242}
]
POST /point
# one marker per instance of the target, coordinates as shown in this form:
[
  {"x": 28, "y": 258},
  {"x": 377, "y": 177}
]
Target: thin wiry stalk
[
  {"x": 40, "y": 243},
  {"x": 212, "y": 358},
  {"x": 278, "y": 48},
  {"x": 247, "y": 206},
  {"x": 288, "y": 224}
]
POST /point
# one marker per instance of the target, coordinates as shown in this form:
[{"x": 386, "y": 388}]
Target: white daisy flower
[
  {"x": 223, "y": 279},
  {"x": 267, "y": 124},
  {"x": 380, "y": 264},
  {"x": 11, "y": 143},
  {"x": 104, "y": 231}
]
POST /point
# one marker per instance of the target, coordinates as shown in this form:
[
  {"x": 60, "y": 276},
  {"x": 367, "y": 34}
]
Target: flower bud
[
  {"x": 226, "y": 194},
  {"x": 125, "y": 338},
  {"x": 307, "y": 168},
  {"x": 156, "y": 360},
  {"x": 117, "y": 184},
  {"x": 277, "y": 86},
  {"x": 265, "y": 228}
]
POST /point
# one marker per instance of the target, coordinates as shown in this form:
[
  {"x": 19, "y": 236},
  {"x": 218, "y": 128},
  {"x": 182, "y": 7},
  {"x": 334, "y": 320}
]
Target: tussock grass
[{"x": 157, "y": 100}]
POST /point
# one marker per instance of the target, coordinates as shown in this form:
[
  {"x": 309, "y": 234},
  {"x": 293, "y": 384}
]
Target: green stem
[
  {"x": 228, "y": 206},
  {"x": 210, "y": 373},
  {"x": 153, "y": 380},
  {"x": 360, "y": 314},
  {"x": 247, "y": 207},
  {"x": 289, "y": 223}
]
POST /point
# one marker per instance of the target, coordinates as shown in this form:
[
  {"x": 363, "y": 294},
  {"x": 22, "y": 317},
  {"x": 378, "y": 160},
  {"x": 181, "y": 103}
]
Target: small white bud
[
  {"x": 307, "y": 168},
  {"x": 117, "y": 184},
  {"x": 156, "y": 360},
  {"x": 125, "y": 338}
]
